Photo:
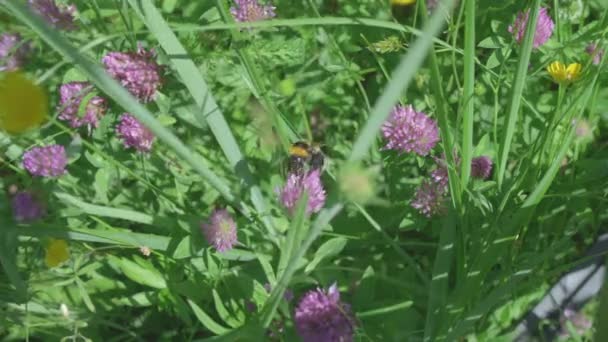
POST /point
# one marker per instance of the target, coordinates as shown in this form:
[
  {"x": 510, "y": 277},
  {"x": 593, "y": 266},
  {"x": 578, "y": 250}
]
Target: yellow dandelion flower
[
  {"x": 56, "y": 252},
  {"x": 402, "y": 2},
  {"x": 23, "y": 104},
  {"x": 564, "y": 74}
]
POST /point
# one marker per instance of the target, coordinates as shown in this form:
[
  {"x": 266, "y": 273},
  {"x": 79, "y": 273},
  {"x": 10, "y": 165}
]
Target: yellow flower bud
[
  {"x": 23, "y": 104},
  {"x": 56, "y": 252}
]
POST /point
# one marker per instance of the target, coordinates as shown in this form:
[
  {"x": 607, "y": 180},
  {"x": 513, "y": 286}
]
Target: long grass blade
[
  {"x": 517, "y": 90},
  {"x": 468, "y": 106}
]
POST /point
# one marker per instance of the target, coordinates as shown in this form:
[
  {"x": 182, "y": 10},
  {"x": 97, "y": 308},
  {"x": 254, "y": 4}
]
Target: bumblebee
[{"x": 305, "y": 157}]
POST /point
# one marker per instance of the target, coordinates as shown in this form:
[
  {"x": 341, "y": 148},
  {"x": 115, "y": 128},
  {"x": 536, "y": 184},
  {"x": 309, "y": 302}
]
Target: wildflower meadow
[{"x": 313, "y": 170}]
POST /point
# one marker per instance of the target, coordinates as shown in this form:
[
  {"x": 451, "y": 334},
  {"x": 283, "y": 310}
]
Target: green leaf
[
  {"x": 146, "y": 276},
  {"x": 207, "y": 321},
  {"x": 328, "y": 249}
]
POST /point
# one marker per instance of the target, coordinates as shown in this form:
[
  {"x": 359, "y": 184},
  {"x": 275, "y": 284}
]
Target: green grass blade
[
  {"x": 400, "y": 81},
  {"x": 209, "y": 111},
  {"x": 8, "y": 245},
  {"x": 439, "y": 282},
  {"x": 517, "y": 90},
  {"x": 124, "y": 238},
  {"x": 293, "y": 234},
  {"x": 98, "y": 210},
  {"x": 468, "y": 106},
  {"x": 115, "y": 91}
]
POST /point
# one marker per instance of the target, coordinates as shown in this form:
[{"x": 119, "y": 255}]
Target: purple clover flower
[
  {"x": 251, "y": 10},
  {"x": 430, "y": 198},
  {"x": 47, "y": 161},
  {"x": 134, "y": 134},
  {"x": 59, "y": 16},
  {"x": 137, "y": 71},
  {"x": 409, "y": 131},
  {"x": 294, "y": 188},
  {"x": 13, "y": 51},
  {"x": 26, "y": 207},
  {"x": 595, "y": 52},
  {"x": 544, "y": 27},
  {"x": 481, "y": 167},
  {"x": 220, "y": 231},
  {"x": 72, "y": 95},
  {"x": 321, "y": 317}
]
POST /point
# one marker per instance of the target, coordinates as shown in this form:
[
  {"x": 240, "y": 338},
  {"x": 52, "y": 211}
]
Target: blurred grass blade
[
  {"x": 439, "y": 281},
  {"x": 155, "y": 242},
  {"x": 400, "y": 81},
  {"x": 385, "y": 310},
  {"x": 115, "y": 91},
  {"x": 209, "y": 111},
  {"x": 294, "y": 233},
  {"x": 517, "y": 90},
  {"x": 468, "y": 96},
  {"x": 8, "y": 246},
  {"x": 98, "y": 210}
]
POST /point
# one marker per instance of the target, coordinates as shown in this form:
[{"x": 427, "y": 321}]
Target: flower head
[
  {"x": 137, "y": 71},
  {"x": 56, "y": 252},
  {"x": 407, "y": 130},
  {"x": 564, "y": 74},
  {"x": 251, "y": 10},
  {"x": 72, "y": 95},
  {"x": 430, "y": 198},
  {"x": 134, "y": 134},
  {"x": 544, "y": 27},
  {"x": 59, "y": 16},
  {"x": 47, "y": 161},
  {"x": 295, "y": 187},
  {"x": 481, "y": 167},
  {"x": 27, "y": 207},
  {"x": 220, "y": 231},
  {"x": 13, "y": 51},
  {"x": 23, "y": 104},
  {"x": 595, "y": 52},
  {"x": 321, "y": 317}
]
